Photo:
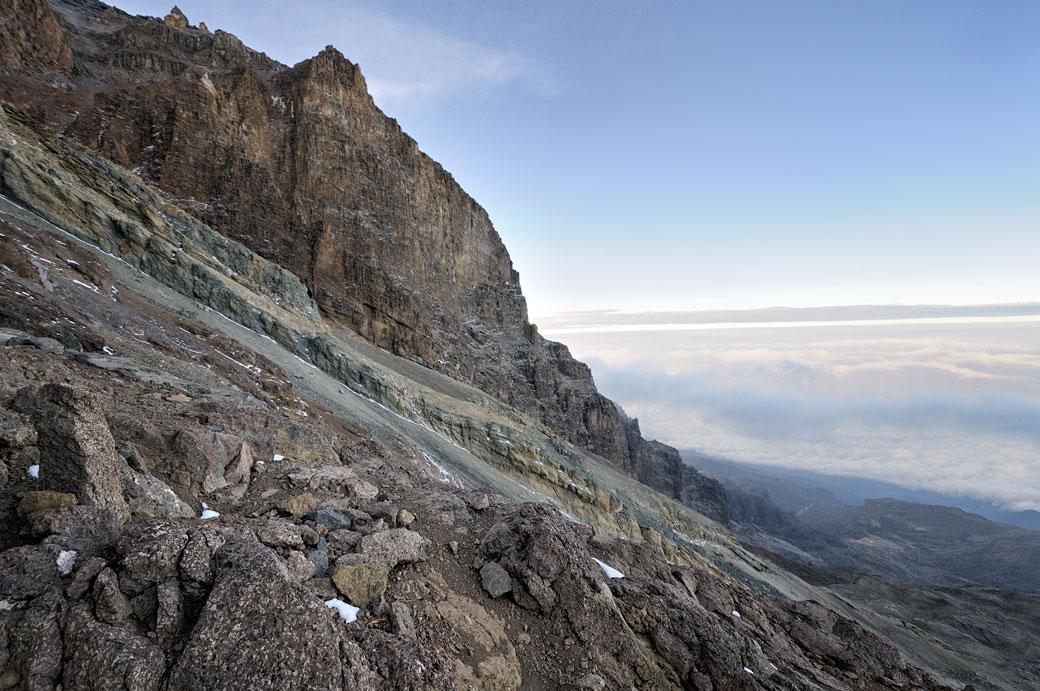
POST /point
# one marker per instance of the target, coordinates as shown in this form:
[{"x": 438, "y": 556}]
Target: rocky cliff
[{"x": 313, "y": 176}]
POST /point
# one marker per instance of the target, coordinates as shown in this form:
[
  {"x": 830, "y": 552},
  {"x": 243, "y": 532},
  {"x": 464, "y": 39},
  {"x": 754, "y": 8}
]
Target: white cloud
[{"x": 953, "y": 408}]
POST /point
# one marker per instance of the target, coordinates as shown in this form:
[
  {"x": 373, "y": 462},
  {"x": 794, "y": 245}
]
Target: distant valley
[{"x": 828, "y": 524}]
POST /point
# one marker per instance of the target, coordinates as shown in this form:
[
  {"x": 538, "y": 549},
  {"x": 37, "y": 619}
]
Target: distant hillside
[{"x": 910, "y": 542}]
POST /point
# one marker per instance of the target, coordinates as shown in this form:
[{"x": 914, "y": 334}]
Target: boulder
[
  {"x": 495, "y": 579},
  {"x": 392, "y": 547},
  {"x": 299, "y": 506},
  {"x": 77, "y": 453},
  {"x": 332, "y": 520},
  {"x": 109, "y": 658},
  {"x": 278, "y": 532},
  {"x": 215, "y": 460},
  {"x": 150, "y": 497},
  {"x": 43, "y": 500},
  {"x": 361, "y": 584},
  {"x": 261, "y": 630}
]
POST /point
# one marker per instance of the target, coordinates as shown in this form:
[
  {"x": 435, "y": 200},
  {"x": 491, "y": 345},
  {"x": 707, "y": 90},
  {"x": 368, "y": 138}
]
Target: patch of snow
[
  {"x": 736, "y": 614},
  {"x": 88, "y": 287},
  {"x": 347, "y": 612},
  {"x": 772, "y": 665},
  {"x": 209, "y": 513},
  {"x": 108, "y": 350},
  {"x": 749, "y": 671},
  {"x": 279, "y": 457},
  {"x": 66, "y": 560},
  {"x": 34, "y": 471},
  {"x": 610, "y": 571}
]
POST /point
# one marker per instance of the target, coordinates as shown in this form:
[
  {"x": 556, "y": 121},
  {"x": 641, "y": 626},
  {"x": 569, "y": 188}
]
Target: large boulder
[
  {"x": 214, "y": 460},
  {"x": 260, "y": 629},
  {"x": 77, "y": 454}
]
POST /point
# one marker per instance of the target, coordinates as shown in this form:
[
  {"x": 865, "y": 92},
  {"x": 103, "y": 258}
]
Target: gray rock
[
  {"x": 151, "y": 550},
  {"x": 480, "y": 502},
  {"x": 260, "y": 630},
  {"x": 77, "y": 453},
  {"x": 277, "y": 532},
  {"x": 36, "y": 643},
  {"x": 401, "y": 620},
  {"x": 169, "y": 613},
  {"x": 29, "y": 571},
  {"x": 215, "y": 460},
  {"x": 495, "y": 579},
  {"x": 196, "y": 562},
  {"x": 110, "y": 604},
  {"x": 84, "y": 577},
  {"x": 150, "y": 497},
  {"x": 333, "y": 520},
  {"x": 100, "y": 657},
  {"x": 320, "y": 559},
  {"x": 300, "y": 567},
  {"x": 393, "y": 547}
]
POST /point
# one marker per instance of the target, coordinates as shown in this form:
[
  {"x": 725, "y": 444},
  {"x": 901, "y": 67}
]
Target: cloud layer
[{"x": 950, "y": 407}]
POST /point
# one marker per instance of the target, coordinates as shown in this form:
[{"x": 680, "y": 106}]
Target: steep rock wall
[{"x": 302, "y": 167}]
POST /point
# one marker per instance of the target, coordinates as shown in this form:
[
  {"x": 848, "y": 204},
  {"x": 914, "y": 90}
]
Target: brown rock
[
  {"x": 405, "y": 518},
  {"x": 77, "y": 453},
  {"x": 361, "y": 584},
  {"x": 176, "y": 19},
  {"x": 299, "y": 506},
  {"x": 42, "y": 500}
]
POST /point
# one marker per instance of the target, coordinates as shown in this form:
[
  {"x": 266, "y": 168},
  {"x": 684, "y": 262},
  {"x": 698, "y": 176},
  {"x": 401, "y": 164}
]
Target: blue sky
[{"x": 705, "y": 155}]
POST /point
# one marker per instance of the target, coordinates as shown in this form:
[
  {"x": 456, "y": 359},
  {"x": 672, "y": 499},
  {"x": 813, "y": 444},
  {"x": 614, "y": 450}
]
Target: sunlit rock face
[{"x": 301, "y": 166}]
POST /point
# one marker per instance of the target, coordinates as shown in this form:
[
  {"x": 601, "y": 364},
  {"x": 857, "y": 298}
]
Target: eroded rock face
[{"x": 396, "y": 250}]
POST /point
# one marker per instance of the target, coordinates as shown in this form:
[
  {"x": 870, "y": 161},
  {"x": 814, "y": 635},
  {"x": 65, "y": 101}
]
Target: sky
[
  {"x": 711, "y": 155},
  {"x": 645, "y": 162}
]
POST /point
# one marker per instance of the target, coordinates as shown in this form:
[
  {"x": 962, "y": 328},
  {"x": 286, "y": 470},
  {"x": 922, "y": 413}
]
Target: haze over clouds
[{"x": 946, "y": 399}]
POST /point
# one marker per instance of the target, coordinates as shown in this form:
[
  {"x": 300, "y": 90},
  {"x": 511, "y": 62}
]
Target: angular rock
[
  {"x": 196, "y": 562},
  {"x": 36, "y": 643},
  {"x": 401, "y": 620},
  {"x": 150, "y": 497},
  {"x": 261, "y": 630},
  {"x": 151, "y": 550},
  {"x": 320, "y": 559},
  {"x": 361, "y": 584},
  {"x": 215, "y": 460},
  {"x": 277, "y": 532},
  {"x": 90, "y": 530},
  {"x": 29, "y": 571},
  {"x": 495, "y": 579},
  {"x": 405, "y": 518},
  {"x": 332, "y": 520},
  {"x": 110, "y": 604},
  {"x": 83, "y": 579},
  {"x": 299, "y": 506},
  {"x": 392, "y": 547},
  {"x": 43, "y": 500},
  {"x": 334, "y": 478},
  {"x": 300, "y": 567},
  {"x": 77, "y": 453},
  {"x": 114, "y": 658}
]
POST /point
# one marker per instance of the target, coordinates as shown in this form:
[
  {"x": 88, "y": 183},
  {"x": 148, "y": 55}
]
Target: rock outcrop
[{"x": 314, "y": 177}]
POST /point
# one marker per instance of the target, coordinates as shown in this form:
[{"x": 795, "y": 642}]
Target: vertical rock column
[{"x": 77, "y": 453}]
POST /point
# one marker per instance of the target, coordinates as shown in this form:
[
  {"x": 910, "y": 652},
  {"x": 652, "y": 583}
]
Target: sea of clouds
[{"x": 944, "y": 400}]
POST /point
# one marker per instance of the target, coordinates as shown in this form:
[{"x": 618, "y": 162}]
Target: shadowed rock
[{"x": 77, "y": 453}]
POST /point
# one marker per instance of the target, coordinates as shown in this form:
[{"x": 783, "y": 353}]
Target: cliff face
[{"x": 312, "y": 175}]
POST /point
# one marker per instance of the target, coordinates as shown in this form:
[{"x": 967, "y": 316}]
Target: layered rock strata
[{"x": 313, "y": 176}]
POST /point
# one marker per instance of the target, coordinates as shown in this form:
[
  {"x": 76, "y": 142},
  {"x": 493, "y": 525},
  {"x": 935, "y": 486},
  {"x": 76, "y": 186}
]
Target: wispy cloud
[{"x": 409, "y": 64}]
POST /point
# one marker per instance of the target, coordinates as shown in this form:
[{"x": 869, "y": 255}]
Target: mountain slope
[{"x": 313, "y": 176}]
